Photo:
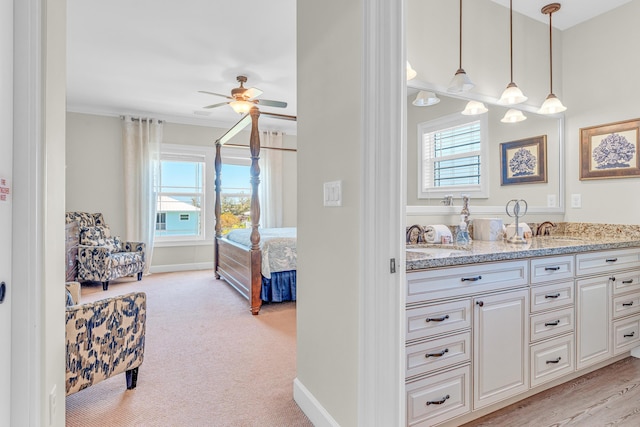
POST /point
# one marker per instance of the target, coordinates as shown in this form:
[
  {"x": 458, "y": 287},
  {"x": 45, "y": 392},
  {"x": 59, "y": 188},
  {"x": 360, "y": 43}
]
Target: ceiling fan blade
[
  {"x": 216, "y": 105},
  {"x": 270, "y": 103},
  {"x": 279, "y": 116},
  {"x": 251, "y": 93},
  {"x": 216, "y": 94}
]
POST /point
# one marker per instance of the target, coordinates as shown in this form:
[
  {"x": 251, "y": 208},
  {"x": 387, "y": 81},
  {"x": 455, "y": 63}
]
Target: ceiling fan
[{"x": 242, "y": 99}]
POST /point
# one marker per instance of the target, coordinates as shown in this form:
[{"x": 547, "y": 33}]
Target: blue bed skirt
[{"x": 281, "y": 287}]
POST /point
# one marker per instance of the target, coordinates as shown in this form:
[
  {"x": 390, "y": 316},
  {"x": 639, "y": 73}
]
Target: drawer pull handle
[
  {"x": 554, "y": 361},
  {"x": 440, "y": 354},
  {"x": 556, "y": 323},
  {"x": 629, "y": 335},
  {"x": 437, "y": 319},
  {"x": 552, "y": 296},
  {"x": 627, "y": 304},
  {"x": 626, "y": 282},
  {"x": 611, "y": 259},
  {"x": 471, "y": 279},
  {"x": 438, "y": 402},
  {"x": 551, "y": 268}
]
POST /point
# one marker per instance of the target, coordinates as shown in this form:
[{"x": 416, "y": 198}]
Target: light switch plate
[
  {"x": 551, "y": 200},
  {"x": 333, "y": 193}
]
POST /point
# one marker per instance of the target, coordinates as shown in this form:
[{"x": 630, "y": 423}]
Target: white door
[
  {"x": 593, "y": 338},
  {"x": 6, "y": 159}
]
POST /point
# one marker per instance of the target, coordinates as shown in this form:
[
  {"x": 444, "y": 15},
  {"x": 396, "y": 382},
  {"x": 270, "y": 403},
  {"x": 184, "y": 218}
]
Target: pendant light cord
[
  {"x": 550, "y": 54},
  {"x": 511, "y": 36},
  {"x": 460, "y": 49}
]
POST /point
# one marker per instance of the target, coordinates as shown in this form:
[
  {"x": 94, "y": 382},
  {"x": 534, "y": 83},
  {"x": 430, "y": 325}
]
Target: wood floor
[{"x": 607, "y": 397}]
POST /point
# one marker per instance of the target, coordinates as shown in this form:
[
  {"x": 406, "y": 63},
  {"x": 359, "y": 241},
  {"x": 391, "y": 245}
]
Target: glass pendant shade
[
  {"x": 513, "y": 116},
  {"x": 474, "y": 108},
  {"x": 552, "y": 105},
  {"x": 512, "y": 95},
  {"x": 411, "y": 73},
  {"x": 425, "y": 99},
  {"x": 241, "y": 107},
  {"x": 460, "y": 82}
]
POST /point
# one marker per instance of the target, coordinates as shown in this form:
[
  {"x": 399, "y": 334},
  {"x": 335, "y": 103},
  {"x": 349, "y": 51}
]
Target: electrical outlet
[
  {"x": 576, "y": 201},
  {"x": 52, "y": 405},
  {"x": 551, "y": 200}
]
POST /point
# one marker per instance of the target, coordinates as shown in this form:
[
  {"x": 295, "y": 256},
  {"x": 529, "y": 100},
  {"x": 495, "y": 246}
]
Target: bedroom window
[
  {"x": 235, "y": 194},
  {"x": 453, "y": 156},
  {"x": 182, "y": 199}
]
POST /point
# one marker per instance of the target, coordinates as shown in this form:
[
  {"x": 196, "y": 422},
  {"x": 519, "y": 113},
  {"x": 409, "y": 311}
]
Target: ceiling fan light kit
[{"x": 243, "y": 99}]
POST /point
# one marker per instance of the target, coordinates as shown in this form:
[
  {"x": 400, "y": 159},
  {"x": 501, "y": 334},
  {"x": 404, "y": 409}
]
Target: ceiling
[{"x": 150, "y": 58}]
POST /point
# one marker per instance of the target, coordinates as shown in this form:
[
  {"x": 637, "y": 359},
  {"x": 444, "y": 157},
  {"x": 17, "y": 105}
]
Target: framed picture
[
  {"x": 524, "y": 161},
  {"x": 610, "y": 151}
]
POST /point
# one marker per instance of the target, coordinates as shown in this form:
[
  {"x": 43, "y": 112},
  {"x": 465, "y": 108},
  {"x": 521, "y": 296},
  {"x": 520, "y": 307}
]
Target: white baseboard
[
  {"x": 168, "y": 268},
  {"x": 311, "y": 407}
]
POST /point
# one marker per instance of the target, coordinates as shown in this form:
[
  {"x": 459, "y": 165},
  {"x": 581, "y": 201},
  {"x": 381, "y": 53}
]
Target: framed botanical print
[
  {"x": 610, "y": 150},
  {"x": 524, "y": 161}
]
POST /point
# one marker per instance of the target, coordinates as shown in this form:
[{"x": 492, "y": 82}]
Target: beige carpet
[{"x": 207, "y": 362}]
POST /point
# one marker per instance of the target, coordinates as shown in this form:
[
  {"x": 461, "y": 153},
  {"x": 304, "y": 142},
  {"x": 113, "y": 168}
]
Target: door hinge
[{"x": 392, "y": 265}]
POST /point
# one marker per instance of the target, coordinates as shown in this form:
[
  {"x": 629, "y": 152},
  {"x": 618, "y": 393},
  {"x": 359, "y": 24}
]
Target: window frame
[
  {"x": 475, "y": 191},
  {"x": 206, "y": 155}
]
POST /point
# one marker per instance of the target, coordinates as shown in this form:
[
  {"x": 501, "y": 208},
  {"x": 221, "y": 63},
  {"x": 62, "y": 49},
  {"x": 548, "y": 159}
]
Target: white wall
[
  {"x": 95, "y": 178},
  {"x": 329, "y": 69},
  {"x": 600, "y": 68}
]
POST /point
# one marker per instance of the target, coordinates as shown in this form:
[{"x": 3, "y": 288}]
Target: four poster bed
[{"x": 258, "y": 263}]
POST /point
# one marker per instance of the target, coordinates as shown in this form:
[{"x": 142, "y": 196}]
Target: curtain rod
[
  {"x": 141, "y": 119},
  {"x": 261, "y": 147}
]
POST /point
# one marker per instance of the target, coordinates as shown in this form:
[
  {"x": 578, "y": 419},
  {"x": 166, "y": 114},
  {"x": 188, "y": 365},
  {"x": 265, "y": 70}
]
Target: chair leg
[
  {"x": 139, "y": 276},
  {"x": 132, "y": 378},
  {"x": 105, "y": 285}
]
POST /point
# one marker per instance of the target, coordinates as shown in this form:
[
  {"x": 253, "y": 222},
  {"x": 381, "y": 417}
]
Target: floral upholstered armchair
[
  {"x": 104, "y": 338},
  {"x": 102, "y": 257}
]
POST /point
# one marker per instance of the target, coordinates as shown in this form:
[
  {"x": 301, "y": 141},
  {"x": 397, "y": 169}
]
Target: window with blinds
[{"x": 452, "y": 158}]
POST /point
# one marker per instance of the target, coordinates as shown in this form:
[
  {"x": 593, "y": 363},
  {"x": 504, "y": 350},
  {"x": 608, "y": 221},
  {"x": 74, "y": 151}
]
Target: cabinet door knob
[
  {"x": 437, "y": 319},
  {"x": 480, "y": 303},
  {"x": 438, "y": 402}
]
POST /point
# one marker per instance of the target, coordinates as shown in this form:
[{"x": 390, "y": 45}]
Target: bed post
[
  {"x": 217, "y": 210},
  {"x": 256, "y": 253}
]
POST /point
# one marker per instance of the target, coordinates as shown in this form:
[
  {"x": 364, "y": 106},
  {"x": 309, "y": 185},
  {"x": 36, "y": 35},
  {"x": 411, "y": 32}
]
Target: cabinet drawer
[
  {"x": 624, "y": 305},
  {"x": 551, "y": 359},
  {"x": 436, "y": 319},
  {"x": 551, "y": 296},
  {"x": 552, "y": 268},
  {"x": 438, "y": 398},
  {"x": 607, "y": 261},
  {"x": 626, "y": 334},
  {"x": 626, "y": 282},
  {"x": 546, "y": 325},
  {"x": 465, "y": 280},
  {"x": 439, "y": 353}
]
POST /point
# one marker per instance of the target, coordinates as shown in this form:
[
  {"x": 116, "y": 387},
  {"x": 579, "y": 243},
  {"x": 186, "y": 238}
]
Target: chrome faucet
[
  {"x": 447, "y": 200},
  {"x": 544, "y": 229},
  {"x": 465, "y": 208},
  {"x": 421, "y": 235}
]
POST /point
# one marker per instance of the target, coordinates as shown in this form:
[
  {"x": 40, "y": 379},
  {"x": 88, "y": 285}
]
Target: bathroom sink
[{"x": 439, "y": 252}]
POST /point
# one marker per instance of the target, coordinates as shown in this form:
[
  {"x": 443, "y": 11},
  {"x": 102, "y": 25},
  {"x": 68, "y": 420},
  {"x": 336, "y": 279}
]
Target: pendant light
[
  {"x": 474, "y": 108},
  {"x": 513, "y": 116},
  {"x": 411, "y": 73},
  {"x": 460, "y": 82},
  {"x": 425, "y": 99},
  {"x": 512, "y": 94},
  {"x": 552, "y": 104}
]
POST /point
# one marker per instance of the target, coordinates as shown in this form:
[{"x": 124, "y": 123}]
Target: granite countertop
[{"x": 420, "y": 257}]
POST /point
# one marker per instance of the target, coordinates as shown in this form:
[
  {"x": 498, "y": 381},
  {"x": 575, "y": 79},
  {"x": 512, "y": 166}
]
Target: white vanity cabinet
[{"x": 501, "y": 346}]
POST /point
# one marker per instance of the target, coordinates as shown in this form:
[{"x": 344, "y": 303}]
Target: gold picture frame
[
  {"x": 524, "y": 161},
  {"x": 610, "y": 150}
]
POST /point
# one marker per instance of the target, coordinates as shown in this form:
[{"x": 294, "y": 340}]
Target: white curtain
[
  {"x": 271, "y": 185},
  {"x": 141, "y": 139}
]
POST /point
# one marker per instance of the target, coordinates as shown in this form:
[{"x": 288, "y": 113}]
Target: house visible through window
[
  {"x": 235, "y": 195},
  {"x": 184, "y": 217},
  {"x": 161, "y": 221},
  {"x": 453, "y": 156}
]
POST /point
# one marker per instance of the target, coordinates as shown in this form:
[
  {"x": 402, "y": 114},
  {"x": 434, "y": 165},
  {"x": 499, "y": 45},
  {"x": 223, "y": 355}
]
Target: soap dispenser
[{"x": 462, "y": 238}]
